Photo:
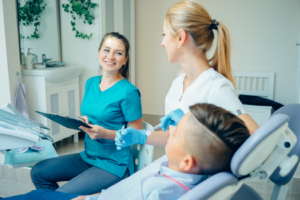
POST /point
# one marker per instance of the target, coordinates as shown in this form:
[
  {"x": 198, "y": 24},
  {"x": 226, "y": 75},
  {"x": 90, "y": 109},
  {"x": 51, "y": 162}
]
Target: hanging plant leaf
[
  {"x": 85, "y": 11},
  {"x": 30, "y": 14}
]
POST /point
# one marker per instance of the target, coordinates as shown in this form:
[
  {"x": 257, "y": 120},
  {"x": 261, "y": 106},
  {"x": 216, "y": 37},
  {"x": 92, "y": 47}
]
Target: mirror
[{"x": 39, "y": 30}]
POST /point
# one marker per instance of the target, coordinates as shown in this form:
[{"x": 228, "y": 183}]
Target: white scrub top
[{"x": 210, "y": 87}]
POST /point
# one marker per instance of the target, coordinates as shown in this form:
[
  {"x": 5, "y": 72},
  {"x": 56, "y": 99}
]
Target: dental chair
[{"x": 271, "y": 152}]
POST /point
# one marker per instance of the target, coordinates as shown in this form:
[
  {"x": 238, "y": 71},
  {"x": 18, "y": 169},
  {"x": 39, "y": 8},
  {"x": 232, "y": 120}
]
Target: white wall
[
  {"x": 79, "y": 52},
  {"x": 9, "y": 51},
  {"x": 298, "y": 75},
  {"x": 263, "y": 35},
  {"x": 4, "y": 81}
]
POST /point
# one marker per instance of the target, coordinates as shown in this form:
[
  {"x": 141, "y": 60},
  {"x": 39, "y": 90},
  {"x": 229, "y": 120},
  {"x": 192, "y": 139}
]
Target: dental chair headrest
[
  {"x": 293, "y": 111},
  {"x": 257, "y": 147},
  {"x": 272, "y": 151}
]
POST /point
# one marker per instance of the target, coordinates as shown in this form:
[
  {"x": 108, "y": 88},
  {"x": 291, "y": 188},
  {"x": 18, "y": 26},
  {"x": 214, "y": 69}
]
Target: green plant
[
  {"x": 85, "y": 11},
  {"x": 30, "y": 14}
]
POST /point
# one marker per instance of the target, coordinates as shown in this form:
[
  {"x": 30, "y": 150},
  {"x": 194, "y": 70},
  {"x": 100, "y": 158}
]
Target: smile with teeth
[{"x": 109, "y": 63}]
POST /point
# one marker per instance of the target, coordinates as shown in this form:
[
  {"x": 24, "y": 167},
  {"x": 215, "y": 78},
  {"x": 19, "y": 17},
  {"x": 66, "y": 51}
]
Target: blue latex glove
[
  {"x": 129, "y": 137},
  {"x": 172, "y": 118}
]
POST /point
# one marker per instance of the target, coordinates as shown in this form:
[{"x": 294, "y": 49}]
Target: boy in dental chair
[{"x": 202, "y": 144}]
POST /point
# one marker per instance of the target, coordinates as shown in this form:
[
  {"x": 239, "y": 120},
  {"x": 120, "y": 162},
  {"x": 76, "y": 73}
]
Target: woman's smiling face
[{"x": 112, "y": 55}]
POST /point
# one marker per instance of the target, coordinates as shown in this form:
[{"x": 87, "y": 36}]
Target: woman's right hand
[{"x": 130, "y": 136}]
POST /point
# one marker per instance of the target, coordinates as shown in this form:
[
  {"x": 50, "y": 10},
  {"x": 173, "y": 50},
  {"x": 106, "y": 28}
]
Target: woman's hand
[
  {"x": 84, "y": 119},
  {"x": 80, "y": 198},
  {"x": 130, "y": 136},
  {"x": 96, "y": 132},
  {"x": 172, "y": 118}
]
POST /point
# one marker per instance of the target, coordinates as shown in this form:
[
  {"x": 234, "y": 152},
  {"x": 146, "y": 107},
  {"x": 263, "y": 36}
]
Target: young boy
[{"x": 202, "y": 144}]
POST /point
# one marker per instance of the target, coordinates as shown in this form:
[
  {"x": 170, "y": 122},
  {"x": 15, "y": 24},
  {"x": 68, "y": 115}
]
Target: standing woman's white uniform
[
  {"x": 209, "y": 87},
  {"x": 188, "y": 33}
]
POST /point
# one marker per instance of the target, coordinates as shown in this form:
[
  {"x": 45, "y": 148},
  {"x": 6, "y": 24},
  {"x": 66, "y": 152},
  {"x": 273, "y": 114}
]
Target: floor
[{"x": 17, "y": 181}]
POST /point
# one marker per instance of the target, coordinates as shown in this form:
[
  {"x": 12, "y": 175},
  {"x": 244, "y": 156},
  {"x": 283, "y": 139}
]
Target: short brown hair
[{"x": 219, "y": 135}]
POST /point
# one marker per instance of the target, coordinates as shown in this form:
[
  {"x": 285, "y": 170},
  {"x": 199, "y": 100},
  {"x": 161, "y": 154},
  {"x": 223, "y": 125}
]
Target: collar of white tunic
[
  {"x": 189, "y": 180},
  {"x": 201, "y": 78}
]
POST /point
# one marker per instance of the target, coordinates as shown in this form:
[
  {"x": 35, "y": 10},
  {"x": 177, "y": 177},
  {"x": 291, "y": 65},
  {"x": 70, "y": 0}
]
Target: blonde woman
[{"x": 188, "y": 33}]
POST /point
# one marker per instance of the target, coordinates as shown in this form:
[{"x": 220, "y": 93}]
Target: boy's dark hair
[{"x": 222, "y": 133}]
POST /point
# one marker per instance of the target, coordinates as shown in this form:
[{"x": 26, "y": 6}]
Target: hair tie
[{"x": 214, "y": 24}]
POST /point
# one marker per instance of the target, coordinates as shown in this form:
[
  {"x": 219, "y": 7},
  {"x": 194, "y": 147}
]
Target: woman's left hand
[{"x": 96, "y": 132}]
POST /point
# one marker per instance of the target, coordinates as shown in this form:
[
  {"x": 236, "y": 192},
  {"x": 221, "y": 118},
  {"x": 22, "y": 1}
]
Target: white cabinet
[
  {"x": 58, "y": 98},
  {"x": 54, "y": 102},
  {"x": 259, "y": 114}
]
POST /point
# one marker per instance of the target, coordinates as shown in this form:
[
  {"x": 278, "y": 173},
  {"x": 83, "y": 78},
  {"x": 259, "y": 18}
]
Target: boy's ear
[{"x": 188, "y": 163}]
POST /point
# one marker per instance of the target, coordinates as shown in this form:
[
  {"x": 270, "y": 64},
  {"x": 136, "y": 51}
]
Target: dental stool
[
  {"x": 142, "y": 154},
  {"x": 271, "y": 152}
]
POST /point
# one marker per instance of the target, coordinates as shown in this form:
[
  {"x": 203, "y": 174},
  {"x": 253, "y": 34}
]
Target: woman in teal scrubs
[{"x": 110, "y": 102}]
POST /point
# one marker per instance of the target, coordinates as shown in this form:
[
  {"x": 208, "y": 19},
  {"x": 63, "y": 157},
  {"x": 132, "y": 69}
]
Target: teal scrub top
[{"x": 111, "y": 109}]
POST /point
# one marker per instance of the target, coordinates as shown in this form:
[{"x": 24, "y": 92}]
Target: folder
[{"x": 65, "y": 121}]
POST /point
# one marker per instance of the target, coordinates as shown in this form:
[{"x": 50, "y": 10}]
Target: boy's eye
[
  {"x": 163, "y": 35},
  {"x": 106, "y": 50},
  {"x": 119, "y": 53}
]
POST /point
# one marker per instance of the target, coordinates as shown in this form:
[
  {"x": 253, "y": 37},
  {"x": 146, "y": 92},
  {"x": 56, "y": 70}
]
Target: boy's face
[{"x": 174, "y": 147}]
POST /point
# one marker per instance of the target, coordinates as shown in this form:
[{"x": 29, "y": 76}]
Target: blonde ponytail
[
  {"x": 195, "y": 20},
  {"x": 221, "y": 58}
]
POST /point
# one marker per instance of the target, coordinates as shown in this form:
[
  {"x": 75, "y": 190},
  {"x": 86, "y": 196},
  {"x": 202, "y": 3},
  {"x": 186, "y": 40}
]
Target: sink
[{"x": 55, "y": 74}]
